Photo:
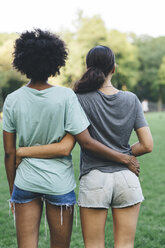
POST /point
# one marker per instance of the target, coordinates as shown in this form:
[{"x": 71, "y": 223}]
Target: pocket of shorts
[
  {"x": 94, "y": 180},
  {"x": 131, "y": 179}
]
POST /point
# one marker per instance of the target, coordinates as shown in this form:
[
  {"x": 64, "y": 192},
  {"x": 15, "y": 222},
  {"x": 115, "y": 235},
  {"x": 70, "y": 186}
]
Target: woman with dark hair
[
  {"x": 42, "y": 114},
  {"x": 112, "y": 114}
]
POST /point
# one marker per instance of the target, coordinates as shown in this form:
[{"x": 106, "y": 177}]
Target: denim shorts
[
  {"x": 104, "y": 190},
  {"x": 23, "y": 196}
]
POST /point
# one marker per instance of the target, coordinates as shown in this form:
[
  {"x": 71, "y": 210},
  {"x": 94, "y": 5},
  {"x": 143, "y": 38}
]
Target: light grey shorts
[{"x": 104, "y": 190}]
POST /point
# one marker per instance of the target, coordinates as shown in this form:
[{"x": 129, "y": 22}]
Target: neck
[
  {"x": 39, "y": 85},
  {"x": 38, "y": 82},
  {"x": 107, "y": 84}
]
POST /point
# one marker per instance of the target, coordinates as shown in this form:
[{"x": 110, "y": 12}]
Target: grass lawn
[{"x": 151, "y": 225}]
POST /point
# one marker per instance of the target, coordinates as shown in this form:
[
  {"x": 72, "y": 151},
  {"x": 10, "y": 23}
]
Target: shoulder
[
  {"x": 16, "y": 92},
  {"x": 86, "y": 96},
  {"x": 14, "y": 96},
  {"x": 129, "y": 94},
  {"x": 65, "y": 90},
  {"x": 66, "y": 95}
]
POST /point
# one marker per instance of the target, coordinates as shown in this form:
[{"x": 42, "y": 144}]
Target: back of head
[
  {"x": 100, "y": 61},
  {"x": 39, "y": 54}
]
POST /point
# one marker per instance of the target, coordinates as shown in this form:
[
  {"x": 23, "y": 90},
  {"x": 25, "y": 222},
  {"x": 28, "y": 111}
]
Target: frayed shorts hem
[
  {"x": 107, "y": 207},
  {"x": 128, "y": 205},
  {"x": 22, "y": 196},
  {"x": 44, "y": 200},
  {"x": 87, "y": 206}
]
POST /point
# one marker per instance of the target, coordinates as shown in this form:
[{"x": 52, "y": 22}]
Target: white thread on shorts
[
  {"x": 61, "y": 216},
  {"x": 45, "y": 220},
  {"x": 10, "y": 210}
]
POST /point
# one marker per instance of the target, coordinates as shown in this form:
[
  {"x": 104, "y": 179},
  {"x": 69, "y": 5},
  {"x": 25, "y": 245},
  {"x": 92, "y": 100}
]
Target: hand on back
[
  {"x": 18, "y": 157},
  {"x": 133, "y": 165}
]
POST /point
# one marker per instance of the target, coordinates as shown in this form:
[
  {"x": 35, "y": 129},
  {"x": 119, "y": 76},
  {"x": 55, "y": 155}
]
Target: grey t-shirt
[{"x": 112, "y": 119}]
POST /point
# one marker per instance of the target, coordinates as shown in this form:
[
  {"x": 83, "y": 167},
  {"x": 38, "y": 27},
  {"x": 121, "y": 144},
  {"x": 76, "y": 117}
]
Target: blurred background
[{"x": 134, "y": 30}]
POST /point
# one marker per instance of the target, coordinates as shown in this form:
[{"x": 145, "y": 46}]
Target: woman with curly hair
[
  {"x": 104, "y": 184},
  {"x": 42, "y": 114}
]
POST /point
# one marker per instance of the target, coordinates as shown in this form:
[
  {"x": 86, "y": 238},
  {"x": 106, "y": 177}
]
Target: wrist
[
  {"x": 131, "y": 152},
  {"x": 125, "y": 159},
  {"x": 19, "y": 152}
]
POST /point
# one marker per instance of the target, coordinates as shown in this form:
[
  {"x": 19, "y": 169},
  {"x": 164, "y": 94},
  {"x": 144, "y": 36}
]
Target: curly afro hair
[{"x": 39, "y": 54}]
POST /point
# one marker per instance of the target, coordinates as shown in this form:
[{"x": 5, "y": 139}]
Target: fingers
[
  {"x": 137, "y": 172},
  {"x": 134, "y": 161},
  {"x": 134, "y": 165},
  {"x": 18, "y": 161},
  {"x": 134, "y": 169}
]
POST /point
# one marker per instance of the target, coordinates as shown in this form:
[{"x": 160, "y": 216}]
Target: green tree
[
  {"x": 6, "y": 36},
  {"x": 151, "y": 51},
  {"x": 90, "y": 32},
  {"x": 127, "y": 62},
  {"x": 161, "y": 83},
  {"x": 10, "y": 80}
]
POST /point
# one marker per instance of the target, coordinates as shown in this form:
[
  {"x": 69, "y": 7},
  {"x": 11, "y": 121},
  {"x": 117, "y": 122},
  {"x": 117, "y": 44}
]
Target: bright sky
[{"x": 138, "y": 16}]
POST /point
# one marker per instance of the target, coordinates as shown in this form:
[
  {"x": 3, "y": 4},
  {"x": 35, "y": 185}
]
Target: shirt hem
[
  {"x": 104, "y": 171},
  {"x": 80, "y": 131},
  {"x": 8, "y": 130}
]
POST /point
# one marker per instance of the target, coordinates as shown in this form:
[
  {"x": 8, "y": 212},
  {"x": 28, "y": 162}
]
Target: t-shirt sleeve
[
  {"x": 140, "y": 120},
  {"x": 76, "y": 120},
  {"x": 8, "y": 123}
]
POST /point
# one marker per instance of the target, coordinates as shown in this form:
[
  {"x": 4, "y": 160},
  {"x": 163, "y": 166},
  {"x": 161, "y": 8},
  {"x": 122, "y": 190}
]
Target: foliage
[
  {"x": 127, "y": 62},
  {"x": 90, "y": 32},
  {"x": 138, "y": 58},
  {"x": 10, "y": 80},
  {"x": 161, "y": 83},
  {"x": 161, "y": 73},
  {"x": 151, "y": 52},
  {"x": 5, "y": 37}
]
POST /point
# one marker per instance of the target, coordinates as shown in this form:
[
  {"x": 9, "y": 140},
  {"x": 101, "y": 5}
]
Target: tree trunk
[{"x": 160, "y": 101}]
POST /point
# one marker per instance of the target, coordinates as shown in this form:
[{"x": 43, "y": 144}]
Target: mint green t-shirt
[{"x": 43, "y": 117}]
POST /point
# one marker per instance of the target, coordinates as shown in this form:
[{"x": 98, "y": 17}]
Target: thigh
[
  {"x": 60, "y": 221},
  {"x": 28, "y": 216},
  {"x": 93, "y": 226},
  {"x": 124, "y": 225}
]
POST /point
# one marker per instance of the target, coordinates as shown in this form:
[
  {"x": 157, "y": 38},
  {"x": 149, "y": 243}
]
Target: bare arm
[
  {"x": 9, "y": 140},
  {"x": 63, "y": 148},
  {"x": 87, "y": 142},
  {"x": 145, "y": 143}
]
